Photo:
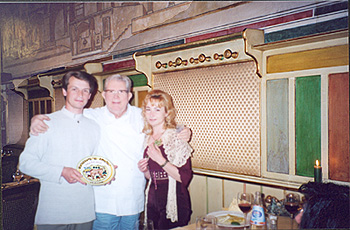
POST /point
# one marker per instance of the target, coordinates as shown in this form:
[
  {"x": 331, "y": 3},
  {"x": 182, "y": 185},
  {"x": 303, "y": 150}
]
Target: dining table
[{"x": 283, "y": 222}]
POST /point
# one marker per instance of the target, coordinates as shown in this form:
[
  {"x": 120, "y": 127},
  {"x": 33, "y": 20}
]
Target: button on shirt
[{"x": 121, "y": 142}]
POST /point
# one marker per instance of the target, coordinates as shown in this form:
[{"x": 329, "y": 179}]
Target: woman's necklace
[{"x": 158, "y": 141}]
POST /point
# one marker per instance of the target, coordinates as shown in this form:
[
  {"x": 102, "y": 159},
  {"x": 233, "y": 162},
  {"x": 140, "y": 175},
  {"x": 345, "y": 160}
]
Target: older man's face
[{"x": 116, "y": 97}]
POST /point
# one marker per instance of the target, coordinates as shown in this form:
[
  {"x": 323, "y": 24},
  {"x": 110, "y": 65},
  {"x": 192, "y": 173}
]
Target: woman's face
[{"x": 155, "y": 115}]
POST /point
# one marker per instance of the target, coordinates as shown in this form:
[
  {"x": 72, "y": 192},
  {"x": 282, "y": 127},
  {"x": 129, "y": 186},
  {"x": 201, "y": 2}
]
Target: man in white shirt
[
  {"x": 53, "y": 156},
  {"x": 119, "y": 205}
]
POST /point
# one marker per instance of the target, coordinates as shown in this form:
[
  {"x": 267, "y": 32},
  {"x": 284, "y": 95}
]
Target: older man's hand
[
  {"x": 38, "y": 125},
  {"x": 185, "y": 134}
]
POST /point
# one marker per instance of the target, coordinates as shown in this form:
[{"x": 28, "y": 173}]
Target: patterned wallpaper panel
[
  {"x": 221, "y": 106},
  {"x": 97, "y": 101}
]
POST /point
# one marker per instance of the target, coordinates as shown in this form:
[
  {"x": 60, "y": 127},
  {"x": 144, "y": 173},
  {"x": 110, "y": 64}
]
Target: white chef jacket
[{"x": 121, "y": 142}]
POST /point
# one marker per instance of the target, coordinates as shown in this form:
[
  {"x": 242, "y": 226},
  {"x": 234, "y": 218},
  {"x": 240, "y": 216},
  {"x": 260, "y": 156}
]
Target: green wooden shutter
[
  {"x": 307, "y": 123},
  {"x": 138, "y": 80}
]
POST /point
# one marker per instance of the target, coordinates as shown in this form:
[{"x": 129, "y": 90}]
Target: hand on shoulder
[{"x": 38, "y": 125}]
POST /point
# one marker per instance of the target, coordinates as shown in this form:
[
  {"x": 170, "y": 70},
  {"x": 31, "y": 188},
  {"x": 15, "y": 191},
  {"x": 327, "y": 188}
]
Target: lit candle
[{"x": 317, "y": 172}]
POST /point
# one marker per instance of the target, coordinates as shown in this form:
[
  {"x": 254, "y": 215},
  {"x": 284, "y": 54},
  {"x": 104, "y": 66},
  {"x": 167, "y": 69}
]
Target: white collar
[
  {"x": 111, "y": 115},
  {"x": 68, "y": 113}
]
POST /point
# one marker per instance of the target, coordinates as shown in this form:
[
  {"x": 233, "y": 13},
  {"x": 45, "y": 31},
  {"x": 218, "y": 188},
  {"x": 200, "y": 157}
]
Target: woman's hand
[
  {"x": 143, "y": 167},
  {"x": 154, "y": 153}
]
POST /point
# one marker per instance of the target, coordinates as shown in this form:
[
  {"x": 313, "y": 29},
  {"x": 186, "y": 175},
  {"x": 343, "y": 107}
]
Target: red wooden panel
[
  {"x": 118, "y": 65},
  {"x": 338, "y": 123}
]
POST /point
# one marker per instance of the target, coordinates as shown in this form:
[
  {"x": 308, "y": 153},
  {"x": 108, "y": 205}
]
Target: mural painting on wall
[
  {"x": 86, "y": 37},
  {"x": 28, "y": 31},
  {"x": 21, "y": 33},
  {"x": 106, "y": 22},
  {"x": 31, "y": 30},
  {"x": 102, "y": 31},
  {"x": 82, "y": 37}
]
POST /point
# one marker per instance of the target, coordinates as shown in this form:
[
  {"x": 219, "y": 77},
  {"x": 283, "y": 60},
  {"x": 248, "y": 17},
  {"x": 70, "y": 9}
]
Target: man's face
[
  {"x": 77, "y": 95},
  {"x": 116, "y": 97}
]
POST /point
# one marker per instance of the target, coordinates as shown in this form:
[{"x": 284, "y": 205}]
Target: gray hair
[{"x": 117, "y": 77}]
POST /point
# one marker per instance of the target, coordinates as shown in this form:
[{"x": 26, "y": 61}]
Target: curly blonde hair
[{"x": 163, "y": 100}]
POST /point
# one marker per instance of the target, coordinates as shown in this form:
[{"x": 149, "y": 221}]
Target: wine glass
[
  {"x": 206, "y": 222},
  {"x": 244, "y": 201},
  {"x": 291, "y": 203}
]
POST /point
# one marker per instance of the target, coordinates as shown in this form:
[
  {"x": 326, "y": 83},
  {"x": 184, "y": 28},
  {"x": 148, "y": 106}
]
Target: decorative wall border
[{"x": 216, "y": 51}]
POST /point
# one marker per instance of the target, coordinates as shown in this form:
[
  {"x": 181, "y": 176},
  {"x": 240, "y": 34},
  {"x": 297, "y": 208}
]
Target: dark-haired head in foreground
[{"x": 327, "y": 206}]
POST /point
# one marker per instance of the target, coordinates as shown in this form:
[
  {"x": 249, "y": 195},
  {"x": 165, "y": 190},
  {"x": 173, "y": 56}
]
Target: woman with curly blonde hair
[
  {"x": 163, "y": 100},
  {"x": 166, "y": 164}
]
